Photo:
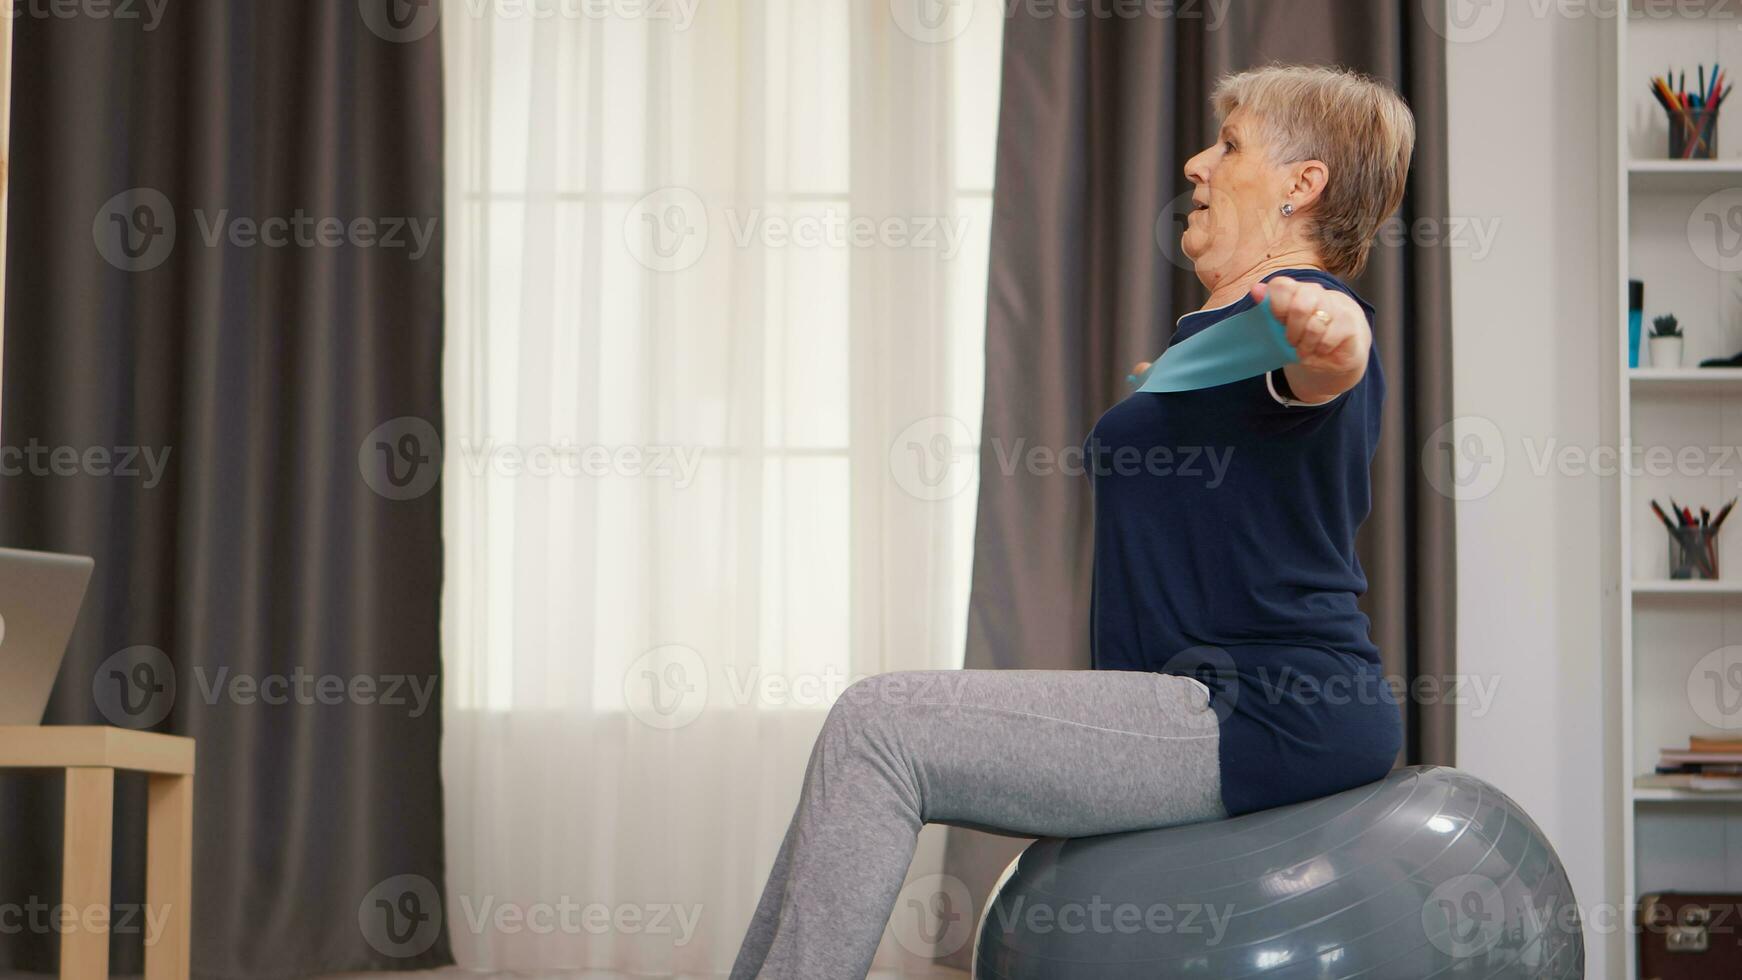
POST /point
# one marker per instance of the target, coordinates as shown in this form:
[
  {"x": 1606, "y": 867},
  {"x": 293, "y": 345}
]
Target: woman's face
[{"x": 1237, "y": 200}]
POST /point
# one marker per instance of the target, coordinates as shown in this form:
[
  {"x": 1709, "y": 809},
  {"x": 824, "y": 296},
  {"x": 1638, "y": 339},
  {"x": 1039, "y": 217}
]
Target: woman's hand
[{"x": 1332, "y": 346}]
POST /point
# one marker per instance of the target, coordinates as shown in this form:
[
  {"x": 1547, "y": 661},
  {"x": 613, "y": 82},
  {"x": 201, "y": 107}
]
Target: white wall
[{"x": 1526, "y": 142}]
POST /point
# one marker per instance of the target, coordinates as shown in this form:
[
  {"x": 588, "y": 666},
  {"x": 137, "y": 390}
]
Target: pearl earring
[{"x": 1288, "y": 210}]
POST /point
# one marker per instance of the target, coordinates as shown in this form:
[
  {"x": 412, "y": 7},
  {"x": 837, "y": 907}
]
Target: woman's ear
[{"x": 1310, "y": 179}]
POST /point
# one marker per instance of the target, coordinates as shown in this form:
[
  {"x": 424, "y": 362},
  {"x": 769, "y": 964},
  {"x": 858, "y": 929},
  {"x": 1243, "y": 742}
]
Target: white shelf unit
[{"x": 1667, "y": 633}]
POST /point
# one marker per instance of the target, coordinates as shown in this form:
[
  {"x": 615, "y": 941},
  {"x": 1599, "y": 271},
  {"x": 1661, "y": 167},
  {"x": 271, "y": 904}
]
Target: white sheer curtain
[{"x": 716, "y": 278}]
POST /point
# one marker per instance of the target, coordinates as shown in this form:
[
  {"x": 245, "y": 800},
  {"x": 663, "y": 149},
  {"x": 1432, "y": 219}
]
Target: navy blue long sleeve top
[{"x": 1225, "y": 523}]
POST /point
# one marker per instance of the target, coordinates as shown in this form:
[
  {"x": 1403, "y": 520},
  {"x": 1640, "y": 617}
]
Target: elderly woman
[{"x": 1233, "y": 669}]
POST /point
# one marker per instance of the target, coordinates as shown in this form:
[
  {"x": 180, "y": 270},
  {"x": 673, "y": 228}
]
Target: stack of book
[{"x": 1708, "y": 762}]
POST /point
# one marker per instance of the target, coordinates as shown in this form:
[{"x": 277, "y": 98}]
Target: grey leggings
[{"x": 1041, "y": 753}]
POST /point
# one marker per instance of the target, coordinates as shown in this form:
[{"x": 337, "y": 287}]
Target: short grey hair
[{"x": 1358, "y": 125}]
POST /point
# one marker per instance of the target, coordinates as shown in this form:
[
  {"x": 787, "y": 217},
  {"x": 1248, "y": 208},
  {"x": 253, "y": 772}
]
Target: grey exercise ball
[{"x": 1429, "y": 872}]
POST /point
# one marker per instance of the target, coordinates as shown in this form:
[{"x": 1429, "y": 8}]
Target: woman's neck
[{"x": 1235, "y": 287}]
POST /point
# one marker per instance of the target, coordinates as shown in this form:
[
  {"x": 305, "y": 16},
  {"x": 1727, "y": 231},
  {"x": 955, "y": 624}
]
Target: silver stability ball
[{"x": 1429, "y": 872}]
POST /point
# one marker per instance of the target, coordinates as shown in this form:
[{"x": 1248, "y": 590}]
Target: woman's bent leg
[{"x": 1044, "y": 753}]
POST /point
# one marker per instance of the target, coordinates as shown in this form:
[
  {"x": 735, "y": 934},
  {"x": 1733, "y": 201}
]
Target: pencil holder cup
[
  {"x": 1693, "y": 553},
  {"x": 1681, "y": 132}
]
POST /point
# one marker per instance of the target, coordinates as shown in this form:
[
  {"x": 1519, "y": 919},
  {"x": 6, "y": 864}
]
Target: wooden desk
[{"x": 90, "y": 756}]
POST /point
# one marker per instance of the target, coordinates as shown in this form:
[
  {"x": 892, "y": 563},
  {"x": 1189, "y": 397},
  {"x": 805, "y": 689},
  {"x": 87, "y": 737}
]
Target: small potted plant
[{"x": 1666, "y": 342}]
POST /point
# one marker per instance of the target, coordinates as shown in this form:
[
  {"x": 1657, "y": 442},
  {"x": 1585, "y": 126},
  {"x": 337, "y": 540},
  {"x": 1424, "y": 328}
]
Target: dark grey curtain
[
  {"x": 267, "y": 555},
  {"x": 1098, "y": 116}
]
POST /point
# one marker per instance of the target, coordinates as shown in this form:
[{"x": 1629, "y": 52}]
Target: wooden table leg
[
  {"x": 169, "y": 875},
  {"x": 85, "y": 865}
]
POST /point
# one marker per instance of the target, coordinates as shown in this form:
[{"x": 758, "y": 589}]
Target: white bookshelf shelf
[
  {"x": 1651, "y": 794},
  {"x": 1683, "y": 176},
  {"x": 1684, "y": 378},
  {"x": 1653, "y": 788},
  {"x": 1655, "y": 587}
]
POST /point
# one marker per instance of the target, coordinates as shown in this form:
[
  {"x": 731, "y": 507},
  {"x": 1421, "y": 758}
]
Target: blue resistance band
[{"x": 1239, "y": 347}]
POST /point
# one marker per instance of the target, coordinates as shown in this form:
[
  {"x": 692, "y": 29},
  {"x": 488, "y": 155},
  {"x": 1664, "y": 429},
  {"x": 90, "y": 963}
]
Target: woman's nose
[{"x": 1198, "y": 168}]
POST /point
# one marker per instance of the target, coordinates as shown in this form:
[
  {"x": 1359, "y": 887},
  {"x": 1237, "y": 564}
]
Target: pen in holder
[
  {"x": 1693, "y": 114},
  {"x": 1693, "y": 553},
  {"x": 1682, "y": 129},
  {"x": 1693, "y": 540}
]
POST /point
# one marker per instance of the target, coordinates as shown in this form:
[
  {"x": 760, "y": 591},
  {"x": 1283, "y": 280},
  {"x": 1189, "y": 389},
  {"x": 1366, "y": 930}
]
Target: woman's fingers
[
  {"x": 1302, "y": 304},
  {"x": 1332, "y": 343}
]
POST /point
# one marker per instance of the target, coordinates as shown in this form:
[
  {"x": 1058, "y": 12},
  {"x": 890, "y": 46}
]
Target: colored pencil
[{"x": 1655, "y": 509}]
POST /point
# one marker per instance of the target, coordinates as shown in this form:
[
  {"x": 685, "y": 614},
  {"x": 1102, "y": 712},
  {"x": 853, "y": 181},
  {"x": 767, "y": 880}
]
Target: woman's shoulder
[{"x": 1331, "y": 280}]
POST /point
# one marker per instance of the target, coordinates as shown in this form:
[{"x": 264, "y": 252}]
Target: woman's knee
[{"x": 870, "y": 700}]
